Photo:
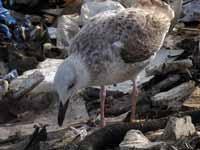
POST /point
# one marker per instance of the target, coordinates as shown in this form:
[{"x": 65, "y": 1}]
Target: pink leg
[
  {"x": 133, "y": 100},
  {"x": 103, "y": 98}
]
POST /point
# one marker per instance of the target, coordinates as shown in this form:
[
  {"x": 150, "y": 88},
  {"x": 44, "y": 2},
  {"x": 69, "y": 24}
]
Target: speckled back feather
[{"x": 141, "y": 31}]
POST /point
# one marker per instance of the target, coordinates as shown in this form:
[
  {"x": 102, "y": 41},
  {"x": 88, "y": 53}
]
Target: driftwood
[
  {"x": 174, "y": 96},
  {"x": 65, "y": 139},
  {"x": 164, "y": 84},
  {"x": 178, "y": 66},
  {"x": 20, "y": 86},
  {"x": 92, "y": 93},
  {"x": 53, "y": 138},
  {"x": 112, "y": 135}
]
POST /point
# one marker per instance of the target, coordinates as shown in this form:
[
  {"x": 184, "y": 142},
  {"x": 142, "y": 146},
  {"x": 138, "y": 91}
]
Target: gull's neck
[{"x": 82, "y": 73}]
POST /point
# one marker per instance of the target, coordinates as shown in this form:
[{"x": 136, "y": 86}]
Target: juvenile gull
[{"x": 113, "y": 47}]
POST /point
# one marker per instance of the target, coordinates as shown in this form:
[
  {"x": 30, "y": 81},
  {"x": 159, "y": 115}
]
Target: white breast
[{"x": 118, "y": 71}]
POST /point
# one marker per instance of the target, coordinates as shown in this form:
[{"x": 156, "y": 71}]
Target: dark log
[
  {"x": 91, "y": 93},
  {"x": 175, "y": 66},
  {"x": 164, "y": 84},
  {"x": 174, "y": 96}
]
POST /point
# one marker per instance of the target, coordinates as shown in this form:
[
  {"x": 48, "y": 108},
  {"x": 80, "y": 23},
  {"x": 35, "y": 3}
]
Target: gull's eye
[{"x": 70, "y": 86}]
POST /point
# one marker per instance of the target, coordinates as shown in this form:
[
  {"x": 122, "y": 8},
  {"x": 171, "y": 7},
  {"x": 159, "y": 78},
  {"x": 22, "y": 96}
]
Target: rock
[
  {"x": 134, "y": 139},
  {"x": 66, "y": 30},
  {"x": 22, "y": 85},
  {"x": 90, "y": 9},
  {"x": 3, "y": 88},
  {"x": 178, "y": 128},
  {"x": 48, "y": 69}
]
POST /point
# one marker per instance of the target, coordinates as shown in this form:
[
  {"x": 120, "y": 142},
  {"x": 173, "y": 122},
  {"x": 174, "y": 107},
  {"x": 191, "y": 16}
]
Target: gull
[{"x": 113, "y": 47}]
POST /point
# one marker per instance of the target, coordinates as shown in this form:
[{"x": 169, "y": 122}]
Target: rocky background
[{"x": 168, "y": 103}]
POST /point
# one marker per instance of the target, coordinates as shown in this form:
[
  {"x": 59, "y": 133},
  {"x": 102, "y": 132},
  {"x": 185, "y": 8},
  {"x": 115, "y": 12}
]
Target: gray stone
[
  {"x": 22, "y": 85},
  {"x": 90, "y": 9},
  {"x": 48, "y": 69},
  {"x": 179, "y": 128},
  {"x": 134, "y": 139}
]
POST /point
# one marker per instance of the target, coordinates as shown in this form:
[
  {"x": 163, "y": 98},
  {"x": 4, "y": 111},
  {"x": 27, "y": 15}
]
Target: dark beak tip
[
  {"x": 61, "y": 113},
  {"x": 60, "y": 122}
]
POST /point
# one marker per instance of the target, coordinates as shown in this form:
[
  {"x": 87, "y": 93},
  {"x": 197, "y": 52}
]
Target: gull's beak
[{"x": 62, "y": 111}]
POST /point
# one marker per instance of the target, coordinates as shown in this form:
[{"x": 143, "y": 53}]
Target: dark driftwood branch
[
  {"x": 179, "y": 66},
  {"x": 175, "y": 95},
  {"x": 164, "y": 84},
  {"x": 57, "y": 139}
]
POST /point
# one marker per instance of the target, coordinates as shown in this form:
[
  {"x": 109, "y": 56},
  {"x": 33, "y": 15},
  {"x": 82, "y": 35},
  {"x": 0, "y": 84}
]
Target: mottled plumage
[
  {"x": 141, "y": 31},
  {"x": 115, "y": 46}
]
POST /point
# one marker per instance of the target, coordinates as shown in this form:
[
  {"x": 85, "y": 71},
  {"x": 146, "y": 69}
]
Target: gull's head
[{"x": 68, "y": 80}]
